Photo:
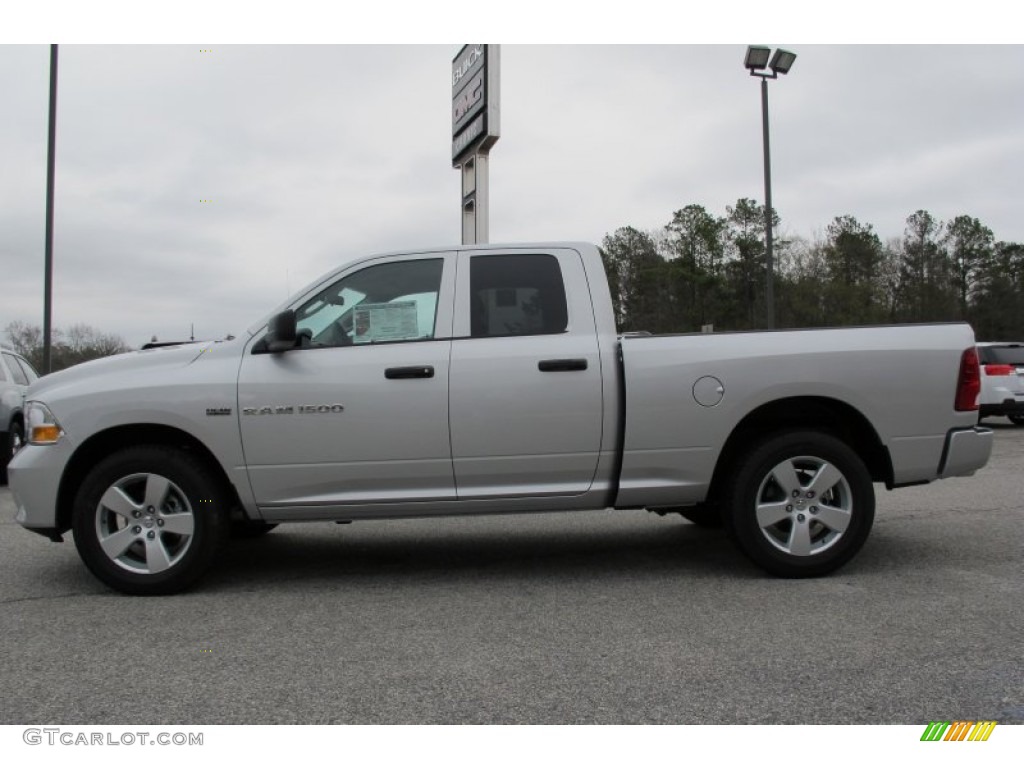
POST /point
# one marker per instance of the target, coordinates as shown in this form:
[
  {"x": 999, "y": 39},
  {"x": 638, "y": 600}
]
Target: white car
[
  {"x": 15, "y": 376},
  {"x": 1002, "y": 380}
]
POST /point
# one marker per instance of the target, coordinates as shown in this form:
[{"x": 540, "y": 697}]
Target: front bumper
[
  {"x": 34, "y": 476},
  {"x": 966, "y": 451}
]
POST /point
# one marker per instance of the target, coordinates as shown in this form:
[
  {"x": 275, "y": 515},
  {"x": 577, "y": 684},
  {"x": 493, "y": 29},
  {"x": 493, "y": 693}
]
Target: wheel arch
[
  {"x": 822, "y": 414},
  {"x": 102, "y": 444}
]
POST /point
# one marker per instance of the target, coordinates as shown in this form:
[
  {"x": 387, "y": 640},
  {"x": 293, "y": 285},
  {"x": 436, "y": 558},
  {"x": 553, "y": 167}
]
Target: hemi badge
[{"x": 218, "y": 411}]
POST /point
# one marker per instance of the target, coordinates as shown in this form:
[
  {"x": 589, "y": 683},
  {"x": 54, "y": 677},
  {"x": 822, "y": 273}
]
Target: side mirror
[{"x": 281, "y": 334}]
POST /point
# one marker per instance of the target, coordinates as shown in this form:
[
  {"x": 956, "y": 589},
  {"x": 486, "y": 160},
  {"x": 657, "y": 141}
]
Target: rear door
[{"x": 526, "y": 391}]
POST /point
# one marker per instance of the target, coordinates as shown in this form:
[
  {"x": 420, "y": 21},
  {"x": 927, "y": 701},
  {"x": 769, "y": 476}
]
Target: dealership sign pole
[{"x": 475, "y": 129}]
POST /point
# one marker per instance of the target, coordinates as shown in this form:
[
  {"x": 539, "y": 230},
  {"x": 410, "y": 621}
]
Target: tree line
[
  {"x": 702, "y": 269},
  {"x": 78, "y": 344}
]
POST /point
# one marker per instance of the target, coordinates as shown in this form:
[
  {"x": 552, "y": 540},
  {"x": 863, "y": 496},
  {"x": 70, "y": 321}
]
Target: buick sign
[{"x": 475, "y": 125}]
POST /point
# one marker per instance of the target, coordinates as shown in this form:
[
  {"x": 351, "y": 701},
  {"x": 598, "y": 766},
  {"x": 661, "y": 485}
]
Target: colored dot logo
[
  {"x": 205, "y": 200},
  {"x": 206, "y": 50},
  {"x": 206, "y": 650}
]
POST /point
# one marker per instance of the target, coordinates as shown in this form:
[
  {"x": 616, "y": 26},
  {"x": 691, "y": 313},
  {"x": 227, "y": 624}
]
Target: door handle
[
  {"x": 570, "y": 364},
  {"x": 410, "y": 372}
]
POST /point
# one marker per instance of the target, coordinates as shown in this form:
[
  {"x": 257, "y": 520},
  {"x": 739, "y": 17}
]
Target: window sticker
[{"x": 395, "y": 321}]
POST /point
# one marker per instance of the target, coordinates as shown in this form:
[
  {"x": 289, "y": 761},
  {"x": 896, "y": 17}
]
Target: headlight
[{"x": 41, "y": 428}]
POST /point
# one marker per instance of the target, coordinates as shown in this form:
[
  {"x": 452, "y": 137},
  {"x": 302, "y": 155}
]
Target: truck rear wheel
[
  {"x": 149, "y": 520},
  {"x": 801, "y": 504}
]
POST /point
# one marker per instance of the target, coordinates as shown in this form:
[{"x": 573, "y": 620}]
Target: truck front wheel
[
  {"x": 801, "y": 504},
  {"x": 149, "y": 520}
]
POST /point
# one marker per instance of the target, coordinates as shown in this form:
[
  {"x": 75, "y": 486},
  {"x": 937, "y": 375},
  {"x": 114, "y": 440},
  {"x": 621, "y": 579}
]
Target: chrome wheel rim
[
  {"x": 144, "y": 523},
  {"x": 804, "y": 506},
  {"x": 16, "y": 442}
]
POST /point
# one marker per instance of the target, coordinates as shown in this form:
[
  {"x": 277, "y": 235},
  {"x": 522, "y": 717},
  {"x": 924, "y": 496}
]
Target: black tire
[
  {"x": 249, "y": 529},
  {"x": 161, "y": 513},
  {"x": 1017, "y": 418},
  {"x": 13, "y": 440},
  {"x": 810, "y": 523}
]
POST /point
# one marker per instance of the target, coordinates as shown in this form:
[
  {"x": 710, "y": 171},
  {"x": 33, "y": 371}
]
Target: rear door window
[
  {"x": 19, "y": 375},
  {"x": 30, "y": 372},
  {"x": 1008, "y": 355},
  {"x": 516, "y": 295}
]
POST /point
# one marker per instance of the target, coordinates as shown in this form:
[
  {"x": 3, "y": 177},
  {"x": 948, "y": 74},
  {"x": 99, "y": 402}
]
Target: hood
[{"x": 121, "y": 366}]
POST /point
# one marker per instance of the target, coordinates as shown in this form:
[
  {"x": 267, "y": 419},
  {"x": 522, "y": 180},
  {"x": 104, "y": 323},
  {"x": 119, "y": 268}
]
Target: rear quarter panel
[{"x": 901, "y": 378}]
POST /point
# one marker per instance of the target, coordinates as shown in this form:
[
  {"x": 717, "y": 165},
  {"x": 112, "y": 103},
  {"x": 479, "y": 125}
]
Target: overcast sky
[{"x": 311, "y": 155}]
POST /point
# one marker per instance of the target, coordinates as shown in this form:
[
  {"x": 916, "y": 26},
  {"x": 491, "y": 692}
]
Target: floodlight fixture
[
  {"x": 757, "y": 57},
  {"x": 782, "y": 61}
]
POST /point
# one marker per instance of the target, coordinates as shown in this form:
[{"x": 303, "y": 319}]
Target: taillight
[
  {"x": 999, "y": 370},
  {"x": 968, "y": 384}
]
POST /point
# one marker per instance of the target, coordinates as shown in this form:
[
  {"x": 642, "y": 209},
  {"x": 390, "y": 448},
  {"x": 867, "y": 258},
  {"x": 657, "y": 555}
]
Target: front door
[{"x": 358, "y": 413}]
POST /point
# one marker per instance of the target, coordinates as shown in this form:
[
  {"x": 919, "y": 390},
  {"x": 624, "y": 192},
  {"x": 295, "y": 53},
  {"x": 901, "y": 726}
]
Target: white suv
[
  {"x": 1002, "y": 380},
  {"x": 15, "y": 376}
]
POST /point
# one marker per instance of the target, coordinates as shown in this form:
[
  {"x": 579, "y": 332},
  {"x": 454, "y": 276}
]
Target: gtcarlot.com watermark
[{"x": 72, "y": 738}]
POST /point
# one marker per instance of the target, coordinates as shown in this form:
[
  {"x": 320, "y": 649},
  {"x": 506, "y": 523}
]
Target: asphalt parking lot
[{"x": 601, "y": 617}]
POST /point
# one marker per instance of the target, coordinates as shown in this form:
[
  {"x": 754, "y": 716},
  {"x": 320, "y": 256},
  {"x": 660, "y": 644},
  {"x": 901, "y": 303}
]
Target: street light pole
[
  {"x": 769, "y": 288},
  {"x": 757, "y": 63},
  {"x": 48, "y": 256}
]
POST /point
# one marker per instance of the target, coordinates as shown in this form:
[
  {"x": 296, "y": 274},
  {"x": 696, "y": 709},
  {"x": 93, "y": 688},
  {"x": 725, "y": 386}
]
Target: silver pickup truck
[{"x": 489, "y": 379}]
